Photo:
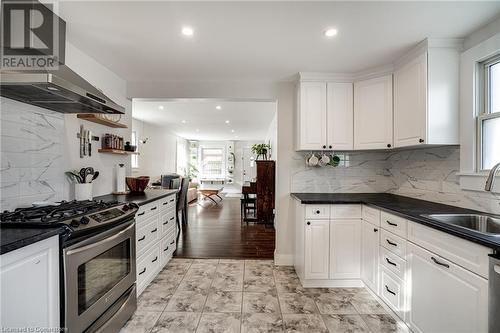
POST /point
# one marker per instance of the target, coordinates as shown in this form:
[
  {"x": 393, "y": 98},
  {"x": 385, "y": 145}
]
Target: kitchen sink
[{"x": 482, "y": 223}]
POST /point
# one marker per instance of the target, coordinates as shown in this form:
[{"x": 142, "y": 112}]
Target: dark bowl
[{"x": 137, "y": 184}]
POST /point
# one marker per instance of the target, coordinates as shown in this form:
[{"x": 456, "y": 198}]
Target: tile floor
[{"x": 212, "y": 295}]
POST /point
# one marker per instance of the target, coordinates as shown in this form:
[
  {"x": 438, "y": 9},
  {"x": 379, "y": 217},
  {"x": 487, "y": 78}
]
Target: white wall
[
  {"x": 115, "y": 88},
  {"x": 39, "y": 145},
  {"x": 159, "y": 155}
]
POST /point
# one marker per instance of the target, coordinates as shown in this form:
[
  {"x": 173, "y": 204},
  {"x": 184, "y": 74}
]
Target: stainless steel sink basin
[{"x": 485, "y": 224}]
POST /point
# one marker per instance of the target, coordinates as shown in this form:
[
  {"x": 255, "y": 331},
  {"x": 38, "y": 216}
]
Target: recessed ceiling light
[
  {"x": 232, "y": 131},
  {"x": 187, "y": 31},
  {"x": 161, "y": 107},
  {"x": 227, "y": 121},
  {"x": 183, "y": 121},
  {"x": 330, "y": 32},
  {"x": 218, "y": 107}
]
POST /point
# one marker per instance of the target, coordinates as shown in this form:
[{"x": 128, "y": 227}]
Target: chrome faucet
[{"x": 491, "y": 177}]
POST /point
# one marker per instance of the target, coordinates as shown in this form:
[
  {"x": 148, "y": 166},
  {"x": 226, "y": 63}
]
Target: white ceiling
[
  {"x": 142, "y": 41},
  {"x": 250, "y": 120}
]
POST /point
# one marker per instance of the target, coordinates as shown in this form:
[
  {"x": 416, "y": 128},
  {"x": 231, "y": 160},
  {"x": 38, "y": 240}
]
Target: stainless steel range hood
[{"x": 60, "y": 90}]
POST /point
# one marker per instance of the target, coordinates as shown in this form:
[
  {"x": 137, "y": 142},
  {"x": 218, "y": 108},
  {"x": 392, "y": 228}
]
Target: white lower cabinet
[
  {"x": 29, "y": 286},
  {"x": 370, "y": 255},
  {"x": 317, "y": 245},
  {"x": 156, "y": 233},
  {"x": 345, "y": 248},
  {"x": 392, "y": 291},
  {"x": 433, "y": 281},
  {"x": 444, "y": 296}
]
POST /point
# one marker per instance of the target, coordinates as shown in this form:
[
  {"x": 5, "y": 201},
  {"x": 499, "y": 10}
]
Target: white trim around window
[{"x": 472, "y": 110}]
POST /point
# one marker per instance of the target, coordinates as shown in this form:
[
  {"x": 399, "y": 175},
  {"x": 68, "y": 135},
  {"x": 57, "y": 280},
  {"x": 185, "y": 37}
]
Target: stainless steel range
[{"x": 98, "y": 260}]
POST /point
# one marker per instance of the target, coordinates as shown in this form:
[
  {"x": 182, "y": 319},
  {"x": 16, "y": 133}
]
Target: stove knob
[
  {"x": 133, "y": 205},
  {"x": 84, "y": 220},
  {"x": 125, "y": 208},
  {"x": 75, "y": 223}
]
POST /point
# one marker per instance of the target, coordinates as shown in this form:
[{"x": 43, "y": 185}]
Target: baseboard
[
  {"x": 351, "y": 283},
  {"x": 283, "y": 259}
]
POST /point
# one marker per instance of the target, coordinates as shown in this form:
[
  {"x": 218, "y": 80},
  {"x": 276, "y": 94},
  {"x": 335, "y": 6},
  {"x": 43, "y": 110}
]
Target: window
[
  {"x": 489, "y": 119},
  {"x": 212, "y": 160},
  {"x": 135, "y": 157}
]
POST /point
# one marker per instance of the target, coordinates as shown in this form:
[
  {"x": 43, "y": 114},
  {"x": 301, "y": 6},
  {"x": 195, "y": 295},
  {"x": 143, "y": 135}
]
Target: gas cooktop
[{"x": 77, "y": 216}]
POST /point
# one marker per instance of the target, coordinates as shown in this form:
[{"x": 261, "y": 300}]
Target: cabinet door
[
  {"x": 444, "y": 296},
  {"x": 29, "y": 279},
  {"x": 345, "y": 248},
  {"x": 340, "y": 116},
  {"x": 370, "y": 255},
  {"x": 312, "y": 116},
  {"x": 410, "y": 103},
  {"x": 316, "y": 249},
  {"x": 373, "y": 113}
]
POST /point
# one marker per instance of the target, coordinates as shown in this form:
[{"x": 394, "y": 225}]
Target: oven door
[{"x": 97, "y": 271}]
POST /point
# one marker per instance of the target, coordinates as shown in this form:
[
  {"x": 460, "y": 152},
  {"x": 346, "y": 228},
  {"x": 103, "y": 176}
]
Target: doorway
[{"x": 215, "y": 138}]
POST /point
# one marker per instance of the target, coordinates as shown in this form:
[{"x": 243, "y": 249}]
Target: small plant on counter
[{"x": 262, "y": 149}]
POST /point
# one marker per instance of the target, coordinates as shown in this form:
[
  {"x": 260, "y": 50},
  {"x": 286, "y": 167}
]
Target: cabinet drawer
[
  {"x": 167, "y": 247},
  {"x": 393, "y": 223},
  {"x": 371, "y": 215},
  {"x": 346, "y": 211},
  {"x": 393, "y": 263},
  {"x": 317, "y": 212},
  {"x": 167, "y": 222},
  {"x": 393, "y": 243},
  {"x": 146, "y": 211},
  {"x": 167, "y": 203},
  {"x": 392, "y": 291},
  {"x": 148, "y": 265},
  {"x": 471, "y": 256},
  {"x": 146, "y": 235}
]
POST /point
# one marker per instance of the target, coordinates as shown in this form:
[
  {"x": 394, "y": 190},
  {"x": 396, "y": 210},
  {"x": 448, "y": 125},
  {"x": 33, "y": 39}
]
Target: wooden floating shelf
[
  {"x": 96, "y": 119},
  {"x": 117, "y": 151}
]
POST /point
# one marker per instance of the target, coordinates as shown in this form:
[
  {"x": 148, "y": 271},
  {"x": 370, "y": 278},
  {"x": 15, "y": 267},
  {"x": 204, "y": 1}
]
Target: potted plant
[{"x": 262, "y": 149}]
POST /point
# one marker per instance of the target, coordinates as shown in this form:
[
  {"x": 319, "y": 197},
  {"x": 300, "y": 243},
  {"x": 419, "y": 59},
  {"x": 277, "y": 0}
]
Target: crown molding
[{"x": 387, "y": 69}]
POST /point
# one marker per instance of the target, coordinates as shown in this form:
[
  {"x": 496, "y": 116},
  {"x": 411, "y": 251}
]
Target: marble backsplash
[
  {"x": 32, "y": 155},
  {"x": 427, "y": 174}
]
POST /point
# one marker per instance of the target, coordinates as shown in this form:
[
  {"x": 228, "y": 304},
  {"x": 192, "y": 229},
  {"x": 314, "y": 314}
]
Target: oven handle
[{"x": 105, "y": 240}]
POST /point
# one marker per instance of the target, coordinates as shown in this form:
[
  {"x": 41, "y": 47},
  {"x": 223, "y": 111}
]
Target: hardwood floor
[{"x": 215, "y": 231}]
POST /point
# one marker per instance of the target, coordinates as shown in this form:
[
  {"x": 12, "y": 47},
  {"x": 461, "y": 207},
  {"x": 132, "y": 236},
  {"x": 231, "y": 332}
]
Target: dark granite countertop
[
  {"x": 12, "y": 238},
  {"x": 138, "y": 198},
  {"x": 406, "y": 207}
]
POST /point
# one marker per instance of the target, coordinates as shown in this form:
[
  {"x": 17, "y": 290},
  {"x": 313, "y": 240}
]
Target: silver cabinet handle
[{"x": 437, "y": 262}]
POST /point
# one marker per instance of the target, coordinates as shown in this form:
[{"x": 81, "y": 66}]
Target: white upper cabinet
[
  {"x": 373, "y": 113},
  {"x": 324, "y": 116},
  {"x": 410, "y": 96},
  {"x": 311, "y": 116},
  {"x": 340, "y": 116},
  {"x": 426, "y": 95}
]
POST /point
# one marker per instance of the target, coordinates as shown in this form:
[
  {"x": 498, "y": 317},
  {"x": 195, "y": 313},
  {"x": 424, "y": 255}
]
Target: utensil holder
[{"x": 83, "y": 191}]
